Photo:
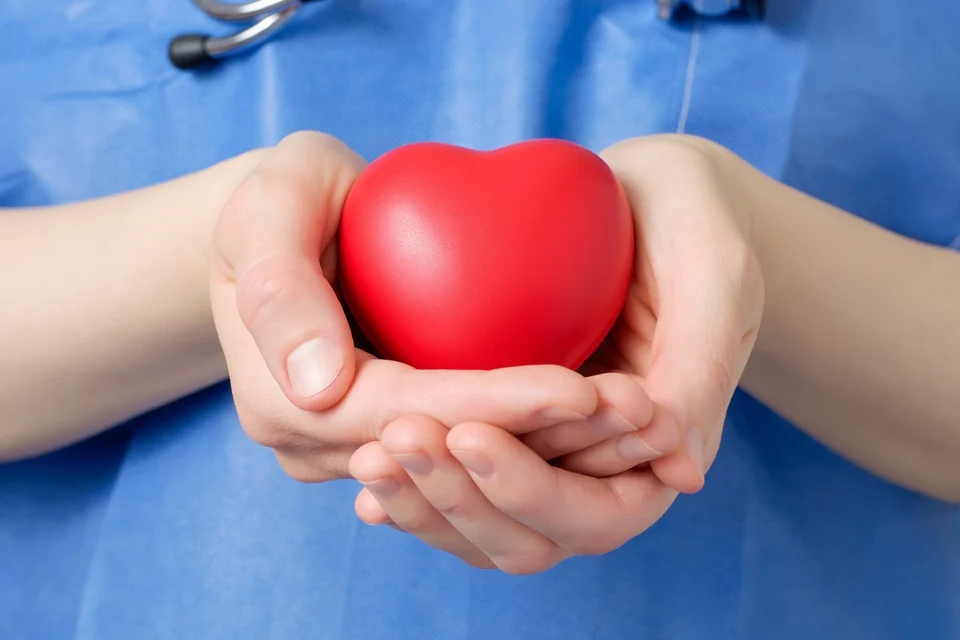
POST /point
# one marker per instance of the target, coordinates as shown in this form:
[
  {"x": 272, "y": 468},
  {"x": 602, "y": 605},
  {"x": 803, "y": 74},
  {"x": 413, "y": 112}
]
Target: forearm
[
  {"x": 860, "y": 341},
  {"x": 105, "y": 310}
]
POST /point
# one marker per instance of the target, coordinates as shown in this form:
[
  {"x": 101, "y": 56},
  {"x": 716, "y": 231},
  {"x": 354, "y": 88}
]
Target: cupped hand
[
  {"x": 683, "y": 340},
  {"x": 477, "y": 492},
  {"x": 694, "y": 309},
  {"x": 300, "y": 385}
]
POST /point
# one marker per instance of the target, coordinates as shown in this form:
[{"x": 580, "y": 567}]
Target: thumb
[
  {"x": 272, "y": 234},
  {"x": 706, "y": 328}
]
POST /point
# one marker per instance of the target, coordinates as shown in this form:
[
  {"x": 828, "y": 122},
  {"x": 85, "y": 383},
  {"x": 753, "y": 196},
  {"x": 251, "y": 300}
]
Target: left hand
[
  {"x": 477, "y": 492},
  {"x": 685, "y": 335},
  {"x": 525, "y": 515}
]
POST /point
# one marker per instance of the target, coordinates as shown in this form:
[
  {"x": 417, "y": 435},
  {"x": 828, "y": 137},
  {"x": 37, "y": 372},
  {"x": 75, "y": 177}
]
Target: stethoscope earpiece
[{"x": 189, "y": 51}]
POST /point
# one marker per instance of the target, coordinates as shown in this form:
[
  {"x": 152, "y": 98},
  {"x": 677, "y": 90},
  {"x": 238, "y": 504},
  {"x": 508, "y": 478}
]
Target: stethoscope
[
  {"x": 265, "y": 17},
  {"x": 192, "y": 50}
]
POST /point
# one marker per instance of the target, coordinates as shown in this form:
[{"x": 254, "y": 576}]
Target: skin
[
  {"x": 859, "y": 341},
  {"x": 270, "y": 282},
  {"x": 215, "y": 282},
  {"x": 87, "y": 345},
  {"x": 707, "y": 206},
  {"x": 721, "y": 247},
  {"x": 685, "y": 335}
]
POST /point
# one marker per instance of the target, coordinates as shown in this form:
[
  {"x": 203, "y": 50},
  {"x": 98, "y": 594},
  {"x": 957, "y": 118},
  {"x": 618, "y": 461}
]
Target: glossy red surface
[{"x": 460, "y": 259}]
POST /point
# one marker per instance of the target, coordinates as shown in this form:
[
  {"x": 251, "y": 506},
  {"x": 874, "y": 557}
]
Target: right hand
[{"x": 300, "y": 385}]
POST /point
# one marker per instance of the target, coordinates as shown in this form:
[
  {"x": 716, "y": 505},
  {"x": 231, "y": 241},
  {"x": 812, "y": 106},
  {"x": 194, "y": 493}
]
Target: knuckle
[
  {"x": 267, "y": 286},
  {"x": 522, "y": 503},
  {"x": 265, "y": 191},
  {"x": 668, "y": 149},
  {"x": 269, "y": 189},
  {"x": 547, "y": 445},
  {"x": 453, "y": 505},
  {"x": 418, "y": 521},
  {"x": 327, "y": 155},
  {"x": 526, "y": 501}
]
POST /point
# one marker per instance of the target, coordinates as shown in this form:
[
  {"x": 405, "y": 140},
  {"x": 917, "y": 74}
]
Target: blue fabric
[{"x": 178, "y": 527}]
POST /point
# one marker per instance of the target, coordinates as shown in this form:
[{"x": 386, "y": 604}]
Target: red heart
[{"x": 458, "y": 259}]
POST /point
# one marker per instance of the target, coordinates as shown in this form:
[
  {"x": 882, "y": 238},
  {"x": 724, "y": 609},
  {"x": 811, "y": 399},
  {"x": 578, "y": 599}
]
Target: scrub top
[{"x": 177, "y": 526}]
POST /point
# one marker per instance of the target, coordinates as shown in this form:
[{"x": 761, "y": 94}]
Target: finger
[
  {"x": 369, "y": 510},
  {"x": 583, "y": 515},
  {"x": 682, "y": 470},
  {"x": 615, "y": 455},
  {"x": 382, "y": 391},
  {"x": 622, "y": 407},
  {"x": 403, "y": 504},
  {"x": 270, "y": 239},
  {"x": 517, "y": 399},
  {"x": 419, "y": 445}
]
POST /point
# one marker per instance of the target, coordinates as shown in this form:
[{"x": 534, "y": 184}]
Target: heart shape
[{"x": 452, "y": 258}]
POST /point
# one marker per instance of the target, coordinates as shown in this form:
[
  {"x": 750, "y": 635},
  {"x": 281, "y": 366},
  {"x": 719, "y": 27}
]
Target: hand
[
  {"x": 694, "y": 309},
  {"x": 685, "y": 335},
  {"x": 300, "y": 385},
  {"x": 516, "y": 512}
]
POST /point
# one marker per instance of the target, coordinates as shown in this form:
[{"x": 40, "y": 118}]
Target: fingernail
[
  {"x": 558, "y": 415},
  {"x": 475, "y": 463},
  {"x": 632, "y": 447},
  {"x": 417, "y": 463},
  {"x": 608, "y": 422},
  {"x": 313, "y": 366},
  {"x": 693, "y": 441},
  {"x": 383, "y": 488}
]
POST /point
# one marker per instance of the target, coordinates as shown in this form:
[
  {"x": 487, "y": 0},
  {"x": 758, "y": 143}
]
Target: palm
[
  {"x": 630, "y": 346},
  {"x": 635, "y": 347}
]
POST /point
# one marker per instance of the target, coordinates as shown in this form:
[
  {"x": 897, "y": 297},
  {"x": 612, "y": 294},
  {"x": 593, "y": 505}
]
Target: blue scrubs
[{"x": 176, "y": 526}]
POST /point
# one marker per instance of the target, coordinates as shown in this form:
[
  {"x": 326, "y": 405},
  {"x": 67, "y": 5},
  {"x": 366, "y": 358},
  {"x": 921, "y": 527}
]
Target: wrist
[
  {"x": 129, "y": 273},
  {"x": 210, "y": 189},
  {"x": 179, "y": 218}
]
